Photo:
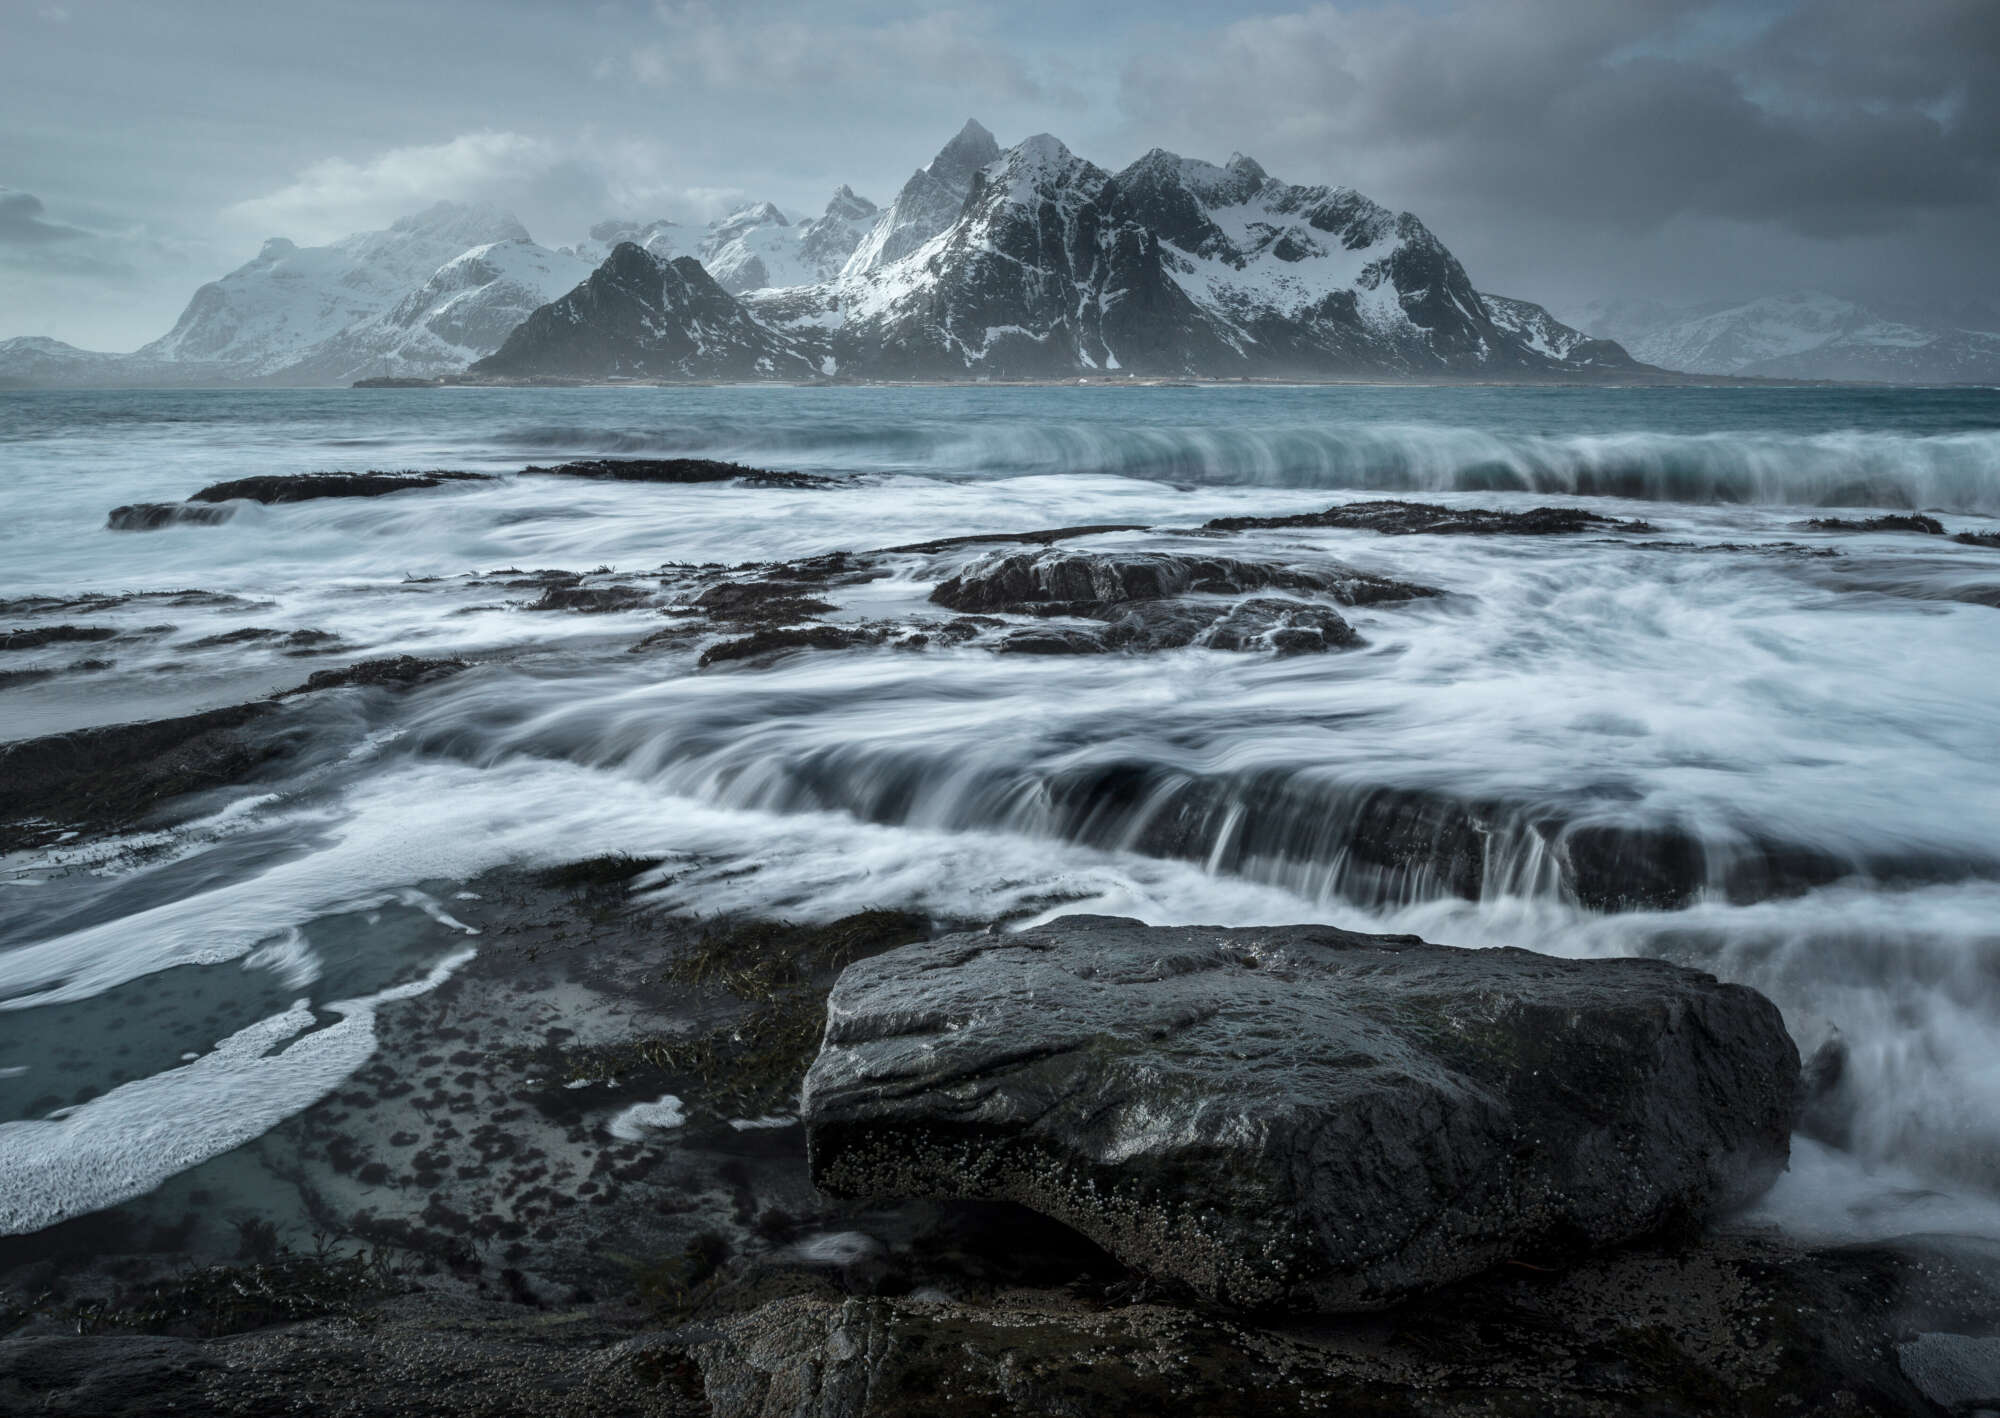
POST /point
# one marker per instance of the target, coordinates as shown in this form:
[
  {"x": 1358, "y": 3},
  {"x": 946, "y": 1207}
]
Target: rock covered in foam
[{"x": 1300, "y": 1115}]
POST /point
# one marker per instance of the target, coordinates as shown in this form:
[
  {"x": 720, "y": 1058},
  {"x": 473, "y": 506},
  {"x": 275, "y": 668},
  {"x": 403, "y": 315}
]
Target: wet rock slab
[
  {"x": 1300, "y": 1116},
  {"x": 308, "y": 487},
  {"x": 676, "y": 470},
  {"x": 1068, "y": 582}
]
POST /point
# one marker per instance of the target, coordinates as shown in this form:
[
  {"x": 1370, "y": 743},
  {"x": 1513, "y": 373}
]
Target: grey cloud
[
  {"x": 1818, "y": 123},
  {"x": 21, "y": 221},
  {"x": 1577, "y": 128}
]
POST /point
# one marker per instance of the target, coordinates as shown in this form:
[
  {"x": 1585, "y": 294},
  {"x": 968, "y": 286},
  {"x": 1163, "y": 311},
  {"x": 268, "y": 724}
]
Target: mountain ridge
[{"x": 1054, "y": 267}]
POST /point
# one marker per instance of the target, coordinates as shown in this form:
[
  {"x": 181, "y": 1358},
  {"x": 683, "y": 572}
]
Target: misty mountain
[
  {"x": 1804, "y": 335},
  {"x": 269, "y": 314},
  {"x": 1052, "y": 266},
  {"x": 426, "y": 296},
  {"x": 755, "y": 246}
]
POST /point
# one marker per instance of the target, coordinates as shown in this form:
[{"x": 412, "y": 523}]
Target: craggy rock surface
[
  {"x": 677, "y": 470},
  {"x": 1402, "y": 519},
  {"x": 1300, "y": 1116},
  {"x": 1064, "y": 582},
  {"x": 151, "y": 516},
  {"x": 1735, "y": 1325},
  {"x": 305, "y": 487}
]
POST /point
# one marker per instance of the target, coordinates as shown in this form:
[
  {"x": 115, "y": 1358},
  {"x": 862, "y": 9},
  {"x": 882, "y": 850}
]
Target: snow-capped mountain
[
  {"x": 641, "y": 316},
  {"x": 427, "y": 296},
  {"x": 929, "y": 202},
  {"x": 1053, "y": 266},
  {"x": 1543, "y": 333},
  {"x": 270, "y": 314},
  {"x": 755, "y": 247},
  {"x": 32, "y": 361},
  {"x": 465, "y": 310},
  {"x": 1804, "y": 335}
]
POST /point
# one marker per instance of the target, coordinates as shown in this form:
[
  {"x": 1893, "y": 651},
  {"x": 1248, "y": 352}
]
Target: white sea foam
[
  {"x": 125, "y": 1142},
  {"x": 641, "y": 1120}
]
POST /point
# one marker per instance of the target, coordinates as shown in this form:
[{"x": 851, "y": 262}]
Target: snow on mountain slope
[
  {"x": 266, "y": 317},
  {"x": 1543, "y": 333},
  {"x": 1803, "y": 335},
  {"x": 757, "y": 249},
  {"x": 929, "y": 202},
  {"x": 465, "y": 310}
]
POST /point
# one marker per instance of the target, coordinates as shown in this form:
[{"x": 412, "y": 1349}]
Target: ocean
[{"x": 1729, "y": 738}]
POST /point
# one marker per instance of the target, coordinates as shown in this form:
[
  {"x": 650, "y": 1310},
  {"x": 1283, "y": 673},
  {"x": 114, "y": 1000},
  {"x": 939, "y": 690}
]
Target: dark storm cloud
[
  {"x": 1566, "y": 144},
  {"x": 21, "y": 221},
  {"x": 1831, "y": 119}
]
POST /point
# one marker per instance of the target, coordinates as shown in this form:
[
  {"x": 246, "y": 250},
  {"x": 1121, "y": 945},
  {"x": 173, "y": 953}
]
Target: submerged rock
[
  {"x": 394, "y": 672},
  {"x": 1300, "y": 1115},
  {"x": 1892, "y": 522},
  {"x": 151, "y": 516},
  {"x": 1087, "y": 583},
  {"x": 1403, "y": 519},
  {"x": 35, "y": 637},
  {"x": 676, "y": 470},
  {"x": 307, "y": 487},
  {"x": 109, "y": 777},
  {"x": 1263, "y": 623},
  {"x": 591, "y": 600}
]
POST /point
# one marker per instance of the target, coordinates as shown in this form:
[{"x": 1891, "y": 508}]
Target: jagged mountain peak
[
  {"x": 928, "y": 203},
  {"x": 849, "y": 205},
  {"x": 972, "y": 149},
  {"x": 275, "y": 248}
]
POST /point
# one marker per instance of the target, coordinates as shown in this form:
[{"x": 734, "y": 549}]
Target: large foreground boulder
[{"x": 1300, "y": 1115}]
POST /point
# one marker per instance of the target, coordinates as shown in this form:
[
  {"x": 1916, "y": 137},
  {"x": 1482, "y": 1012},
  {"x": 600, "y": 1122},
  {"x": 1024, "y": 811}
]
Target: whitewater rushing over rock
[{"x": 1701, "y": 675}]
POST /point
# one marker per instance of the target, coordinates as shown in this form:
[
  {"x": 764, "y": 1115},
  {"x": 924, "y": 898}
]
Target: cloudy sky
[{"x": 1566, "y": 150}]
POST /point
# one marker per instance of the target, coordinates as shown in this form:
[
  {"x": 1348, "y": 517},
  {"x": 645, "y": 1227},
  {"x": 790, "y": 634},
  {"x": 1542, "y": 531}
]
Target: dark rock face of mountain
[{"x": 639, "y": 317}]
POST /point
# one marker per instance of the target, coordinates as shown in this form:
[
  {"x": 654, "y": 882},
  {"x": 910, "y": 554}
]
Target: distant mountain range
[
  {"x": 1025, "y": 262},
  {"x": 1805, "y": 335},
  {"x": 1035, "y": 263}
]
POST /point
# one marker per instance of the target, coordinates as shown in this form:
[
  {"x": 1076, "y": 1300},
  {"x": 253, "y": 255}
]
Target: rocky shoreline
[
  {"x": 627, "y": 1160},
  {"x": 494, "y": 1241}
]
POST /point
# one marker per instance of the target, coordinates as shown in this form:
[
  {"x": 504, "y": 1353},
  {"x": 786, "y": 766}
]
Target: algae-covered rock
[{"x": 1300, "y": 1115}]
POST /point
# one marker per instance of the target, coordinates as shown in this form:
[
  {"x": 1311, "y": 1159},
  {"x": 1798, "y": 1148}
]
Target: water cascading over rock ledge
[{"x": 1301, "y": 1116}]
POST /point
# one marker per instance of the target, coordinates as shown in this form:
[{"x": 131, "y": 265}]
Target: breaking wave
[{"x": 1958, "y": 472}]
